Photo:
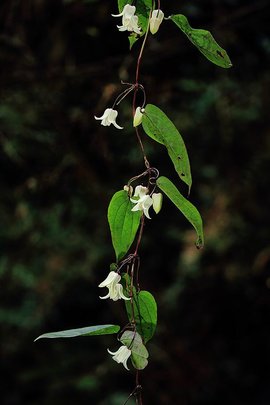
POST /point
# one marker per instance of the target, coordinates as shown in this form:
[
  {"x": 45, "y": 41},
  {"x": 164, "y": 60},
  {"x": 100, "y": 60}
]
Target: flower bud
[
  {"x": 128, "y": 189},
  {"x": 157, "y": 202},
  {"x": 137, "y": 120},
  {"x": 155, "y": 20}
]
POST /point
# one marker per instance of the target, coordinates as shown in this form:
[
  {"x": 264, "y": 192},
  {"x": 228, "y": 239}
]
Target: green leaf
[
  {"x": 159, "y": 127},
  {"x": 144, "y": 310},
  {"x": 187, "y": 209},
  {"x": 87, "y": 331},
  {"x": 123, "y": 223},
  {"x": 142, "y": 11},
  {"x": 132, "y": 39},
  {"x": 204, "y": 41},
  {"x": 139, "y": 353}
]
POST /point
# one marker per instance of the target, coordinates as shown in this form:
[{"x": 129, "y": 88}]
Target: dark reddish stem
[{"x": 138, "y": 389}]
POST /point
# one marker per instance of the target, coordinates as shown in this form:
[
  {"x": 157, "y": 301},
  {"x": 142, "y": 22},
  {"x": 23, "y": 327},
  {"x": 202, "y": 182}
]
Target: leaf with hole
[{"x": 204, "y": 41}]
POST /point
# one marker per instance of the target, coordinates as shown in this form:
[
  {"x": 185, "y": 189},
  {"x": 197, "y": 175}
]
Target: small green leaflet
[
  {"x": 204, "y": 41},
  {"x": 132, "y": 39},
  {"x": 145, "y": 310},
  {"x": 87, "y": 331},
  {"x": 139, "y": 353},
  {"x": 187, "y": 209},
  {"x": 123, "y": 223},
  {"x": 159, "y": 127}
]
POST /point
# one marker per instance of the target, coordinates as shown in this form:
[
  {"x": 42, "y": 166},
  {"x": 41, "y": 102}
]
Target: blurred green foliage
[{"x": 61, "y": 63}]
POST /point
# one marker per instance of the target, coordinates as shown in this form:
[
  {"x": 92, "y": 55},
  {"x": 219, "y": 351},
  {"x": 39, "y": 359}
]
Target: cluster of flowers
[
  {"x": 141, "y": 198},
  {"x": 115, "y": 292},
  {"x": 144, "y": 201}
]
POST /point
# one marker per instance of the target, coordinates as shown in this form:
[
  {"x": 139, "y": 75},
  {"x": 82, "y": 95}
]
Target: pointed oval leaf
[
  {"x": 204, "y": 41},
  {"x": 133, "y": 38},
  {"x": 146, "y": 308},
  {"x": 139, "y": 353},
  {"x": 144, "y": 311},
  {"x": 87, "y": 331},
  {"x": 187, "y": 209},
  {"x": 123, "y": 223},
  {"x": 159, "y": 127}
]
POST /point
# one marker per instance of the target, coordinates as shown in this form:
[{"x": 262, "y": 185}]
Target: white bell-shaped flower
[
  {"x": 155, "y": 20},
  {"x": 157, "y": 202},
  {"x": 128, "y": 189},
  {"x": 108, "y": 118},
  {"x": 115, "y": 288},
  {"x": 121, "y": 355},
  {"x": 142, "y": 200},
  {"x": 129, "y": 19}
]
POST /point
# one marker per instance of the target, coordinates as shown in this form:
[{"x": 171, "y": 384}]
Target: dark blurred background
[{"x": 61, "y": 64}]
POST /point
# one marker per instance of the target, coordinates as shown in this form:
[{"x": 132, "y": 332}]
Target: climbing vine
[{"x": 140, "y": 199}]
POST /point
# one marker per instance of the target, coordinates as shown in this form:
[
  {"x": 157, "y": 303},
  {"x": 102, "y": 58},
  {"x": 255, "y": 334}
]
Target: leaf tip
[{"x": 199, "y": 243}]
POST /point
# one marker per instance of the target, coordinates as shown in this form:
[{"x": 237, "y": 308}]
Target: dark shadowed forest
[{"x": 62, "y": 62}]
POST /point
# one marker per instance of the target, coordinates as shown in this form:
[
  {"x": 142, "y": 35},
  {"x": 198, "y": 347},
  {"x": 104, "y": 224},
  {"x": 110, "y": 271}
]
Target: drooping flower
[
  {"x": 155, "y": 20},
  {"x": 157, "y": 202},
  {"x": 142, "y": 200},
  {"x": 137, "y": 120},
  {"x": 108, "y": 118},
  {"x": 121, "y": 355},
  {"x": 115, "y": 288},
  {"x": 129, "y": 19}
]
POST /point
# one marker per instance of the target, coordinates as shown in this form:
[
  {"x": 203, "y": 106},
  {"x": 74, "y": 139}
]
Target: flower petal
[
  {"x": 117, "y": 15},
  {"x": 129, "y": 10},
  {"x": 125, "y": 364},
  {"x": 112, "y": 353},
  {"x": 121, "y": 355},
  {"x": 121, "y": 293},
  {"x": 147, "y": 203},
  {"x": 140, "y": 191},
  {"x": 137, "y": 119},
  {"x": 155, "y": 20},
  {"x": 136, "y": 207},
  {"x": 112, "y": 277},
  {"x": 99, "y": 118},
  {"x": 116, "y": 125},
  {"x": 105, "y": 296},
  {"x": 145, "y": 211},
  {"x": 157, "y": 202}
]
